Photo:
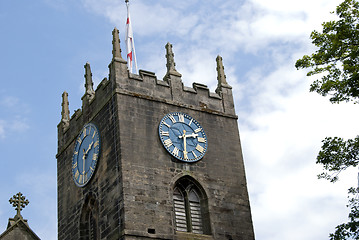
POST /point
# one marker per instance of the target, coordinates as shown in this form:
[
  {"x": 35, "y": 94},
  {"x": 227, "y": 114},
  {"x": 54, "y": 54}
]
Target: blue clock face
[
  {"x": 183, "y": 137},
  {"x": 86, "y": 154}
]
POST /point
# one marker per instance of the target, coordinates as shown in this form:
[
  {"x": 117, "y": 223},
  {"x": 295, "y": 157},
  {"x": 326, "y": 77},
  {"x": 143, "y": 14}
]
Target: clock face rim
[
  {"x": 166, "y": 120},
  {"x": 81, "y": 138}
]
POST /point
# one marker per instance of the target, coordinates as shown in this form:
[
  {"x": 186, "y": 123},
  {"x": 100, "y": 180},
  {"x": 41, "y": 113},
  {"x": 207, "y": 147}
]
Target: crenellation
[
  {"x": 102, "y": 84},
  {"x": 146, "y": 85}
]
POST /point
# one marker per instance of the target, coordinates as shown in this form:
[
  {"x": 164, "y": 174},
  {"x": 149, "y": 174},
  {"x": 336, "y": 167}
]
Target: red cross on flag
[{"x": 131, "y": 53}]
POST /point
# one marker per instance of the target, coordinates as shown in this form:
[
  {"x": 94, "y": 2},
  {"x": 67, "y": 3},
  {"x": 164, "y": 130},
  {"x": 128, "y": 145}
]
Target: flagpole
[{"x": 132, "y": 42}]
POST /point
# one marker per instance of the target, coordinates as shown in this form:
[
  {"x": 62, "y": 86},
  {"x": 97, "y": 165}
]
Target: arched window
[
  {"x": 190, "y": 207},
  {"x": 89, "y": 220}
]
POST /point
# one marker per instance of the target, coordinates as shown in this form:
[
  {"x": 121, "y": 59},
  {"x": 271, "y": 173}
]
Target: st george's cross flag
[{"x": 131, "y": 53}]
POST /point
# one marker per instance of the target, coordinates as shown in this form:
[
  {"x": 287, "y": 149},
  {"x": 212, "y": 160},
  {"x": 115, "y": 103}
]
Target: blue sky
[{"x": 44, "y": 45}]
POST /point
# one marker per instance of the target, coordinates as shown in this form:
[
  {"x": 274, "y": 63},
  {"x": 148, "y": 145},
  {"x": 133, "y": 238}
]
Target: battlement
[{"x": 146, "y": 85}]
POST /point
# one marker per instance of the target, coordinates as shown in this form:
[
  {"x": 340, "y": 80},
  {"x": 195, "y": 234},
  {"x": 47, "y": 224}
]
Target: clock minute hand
[
  {"x": 184, "y": 144},
  {"x": 90, "y": 146}
]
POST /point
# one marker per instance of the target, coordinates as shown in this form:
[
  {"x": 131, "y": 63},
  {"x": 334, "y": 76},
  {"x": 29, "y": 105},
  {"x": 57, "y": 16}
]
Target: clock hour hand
[
  {"x": 192, "y": 135},
  {"x": 187, "y": 136}
]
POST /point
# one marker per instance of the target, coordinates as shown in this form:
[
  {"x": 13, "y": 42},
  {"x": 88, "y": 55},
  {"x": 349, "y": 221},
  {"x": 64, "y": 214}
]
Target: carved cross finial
[
  {"x": 88, "y": 82},
  {"x": 19, "y": 202},
  {"x": 65, "y": 113},
  {"x": 171, "y": 70}
]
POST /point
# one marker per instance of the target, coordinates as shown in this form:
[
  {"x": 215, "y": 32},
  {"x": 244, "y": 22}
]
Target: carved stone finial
[
  {"x": 19, "y": 202},
  {"x": 171, "y": 70},
  {"x": 221, "y": 76},
  {"x": 88, "y": 82},
  {"x": 65, "y": 113},
  {"x": 116, "y": 48}
]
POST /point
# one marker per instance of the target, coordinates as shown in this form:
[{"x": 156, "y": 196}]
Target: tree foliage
[
  {"x": 336, "y": 62},
  {"x": 337, "y": 59},
  {"x": 338, "y": 155},
  {"x": 349, "y": 230}
]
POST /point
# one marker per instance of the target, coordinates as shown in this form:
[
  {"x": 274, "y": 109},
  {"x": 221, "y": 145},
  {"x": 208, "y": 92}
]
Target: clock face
[
  {"x": 86, "y": 154},
  {"x": 183, "y": 137}
]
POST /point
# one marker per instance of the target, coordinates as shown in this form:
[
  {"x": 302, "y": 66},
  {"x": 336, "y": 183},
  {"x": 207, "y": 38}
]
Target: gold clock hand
[
  {"x": 90, "y": 146},
  {"x": 184, "y": 140},
  {"x": 83, "y": 162}
]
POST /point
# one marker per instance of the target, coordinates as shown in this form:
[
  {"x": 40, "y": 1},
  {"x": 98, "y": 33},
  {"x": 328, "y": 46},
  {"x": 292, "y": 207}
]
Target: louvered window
[
  {"x": 188, "y": 208},
  {"x": 195, "y": 212},
  {"x": 89, "y": 220},
  {"x": 92, "y": 227},
  {"x": 180, "y": 211}
]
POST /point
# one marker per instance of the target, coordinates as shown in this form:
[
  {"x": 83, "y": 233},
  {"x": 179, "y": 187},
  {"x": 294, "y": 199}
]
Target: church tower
[{"x": 151, "y": 159}]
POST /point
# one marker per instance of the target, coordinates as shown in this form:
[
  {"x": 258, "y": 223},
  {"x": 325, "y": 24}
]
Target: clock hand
[
  {"x": 192, "y": 135},
  {"x": 90, "y": 146},
  {"x": 184, "y": 141},
  {"x": 184, "y": 136},
  {"x": 83, "y": 162}
]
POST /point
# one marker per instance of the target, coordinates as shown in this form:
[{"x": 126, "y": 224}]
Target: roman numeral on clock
[
  {"x": 181, "y": 118},
  {"x": 163, "y": 133},
  {"x": 175, "y": 151},
  {"x": 199, "y": 148},
  {"x": 167, "y": 142},
  {"x": 172, "y": 118}
]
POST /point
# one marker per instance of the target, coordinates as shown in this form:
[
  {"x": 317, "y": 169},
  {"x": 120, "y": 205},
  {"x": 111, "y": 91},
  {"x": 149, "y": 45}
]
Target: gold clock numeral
[
  {"x": 175, "y": 151},
  {"x": 190, "y": 122},
  {"x": 194, "y": 154},
  {"x": 91, "y": 168},
  {"x": 74, "y": 165},
  {"x": 94, "y": 157},
  {"x": 75, "y": 153},
  {"x": 94, "y": 133},
  {"x": 197, "y": 130},
  {"x": 81, "y": 180},
  {"x": 168, "y": 142},
  {"x": 77, "y": 174},
  {"x": 166, "y": 124},
  {"x": 96, "y": 144},
  {"x": 84, "y": 132},
  {"x": 172, "y": 118},
  {"x": 185, "y": 156},
  {"x": 202, "y": 140},
  {"x": 181, "y": 118},
  {"x": 85, "y": 177},
  {"x": 199, "y": 148},
  {"x": 163, "y": 133},
  {"x": 79, "y": 140}
]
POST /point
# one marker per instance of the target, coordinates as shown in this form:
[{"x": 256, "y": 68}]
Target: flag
[{"x": 131, "y": 53}]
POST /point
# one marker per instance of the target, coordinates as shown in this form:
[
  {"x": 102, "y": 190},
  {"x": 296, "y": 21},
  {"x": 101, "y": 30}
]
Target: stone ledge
[{"x": 192, "y": 236}]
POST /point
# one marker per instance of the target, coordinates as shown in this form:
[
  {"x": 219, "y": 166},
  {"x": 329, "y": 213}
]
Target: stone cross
[{"x": 19, "y": 202}]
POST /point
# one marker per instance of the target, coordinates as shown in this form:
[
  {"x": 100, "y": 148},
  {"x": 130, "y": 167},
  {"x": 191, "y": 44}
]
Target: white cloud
[
  {"x": 13, "y": 113},
  {"x": 9, "y": 101},
  {"x": 2, "y": 129}
]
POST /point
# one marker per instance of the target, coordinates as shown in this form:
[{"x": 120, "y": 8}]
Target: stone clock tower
[{"x": 151, "y": 159}]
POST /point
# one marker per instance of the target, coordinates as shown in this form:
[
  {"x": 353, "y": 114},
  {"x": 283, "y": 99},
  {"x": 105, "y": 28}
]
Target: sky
[{"x": 44, "y": 45}]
